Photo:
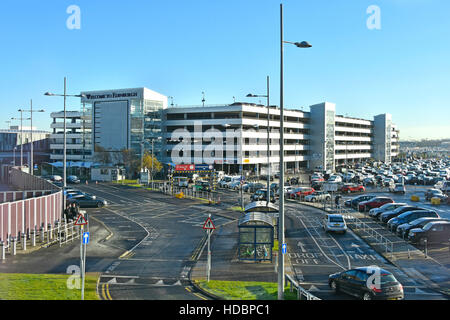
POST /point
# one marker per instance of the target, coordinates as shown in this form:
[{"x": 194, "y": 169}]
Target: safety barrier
[
  {"x": 11, "y": 196},
  {"x": 19, "y": 218},
  {"x": 302, "y": 294}
]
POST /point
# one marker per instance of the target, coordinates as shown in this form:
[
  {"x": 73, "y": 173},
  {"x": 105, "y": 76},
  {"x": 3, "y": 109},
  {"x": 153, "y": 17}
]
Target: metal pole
[
  {"x": 32, "y": 157},
  {"x": 65, "y": 146},
  {"x": 81, "y": 262},
  {"x": 268, "y": 144},
  {"x": 242, "y": 164},
  {"x": 21, "y": 139},
  {"x": 281, "y": 184},
  {"x": 208, "y": 267}
]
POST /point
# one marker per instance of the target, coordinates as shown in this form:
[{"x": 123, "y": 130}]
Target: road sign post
[
  {"x": 208, "y": 226},
  {"x": 84, "y": 239}
]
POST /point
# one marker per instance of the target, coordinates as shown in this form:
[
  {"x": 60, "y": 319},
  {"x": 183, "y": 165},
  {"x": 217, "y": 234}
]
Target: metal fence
[
  {"x": 186, "y": 192},
  {"x": 302, "y": 294},
  {"x": 24, "y": 181},
  {"x": 11, "y": 196}
]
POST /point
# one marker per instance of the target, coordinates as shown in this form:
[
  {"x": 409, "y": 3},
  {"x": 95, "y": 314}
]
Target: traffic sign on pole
[
  {"x": 209, "y": 225},
  {"x": 86, "y": 238},
  {"x": 81, "y": 221},
  {"x": 284, "y": 248}
]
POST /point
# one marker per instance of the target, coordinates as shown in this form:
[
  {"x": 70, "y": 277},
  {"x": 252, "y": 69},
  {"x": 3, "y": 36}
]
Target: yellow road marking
[{"x": 107, "y": 292}]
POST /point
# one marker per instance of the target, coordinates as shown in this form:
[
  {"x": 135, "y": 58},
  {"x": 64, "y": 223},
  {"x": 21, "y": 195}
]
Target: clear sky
[{"x": 227, "y": 48}]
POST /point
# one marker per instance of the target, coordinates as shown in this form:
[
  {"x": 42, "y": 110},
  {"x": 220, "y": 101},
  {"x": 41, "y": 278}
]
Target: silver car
[{"x": 334, "y": 223}]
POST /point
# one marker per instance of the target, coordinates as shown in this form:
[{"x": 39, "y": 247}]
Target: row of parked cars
[
  {"x": 412, "y": 223},
  {"x": 83, "y": 199}
]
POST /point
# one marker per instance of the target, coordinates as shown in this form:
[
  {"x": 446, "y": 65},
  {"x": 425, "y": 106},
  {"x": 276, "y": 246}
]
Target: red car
[
  {"x": 349, "y": 188},
  {"x": 373, "y": 203},
  {"x": 302, "y": 191}
]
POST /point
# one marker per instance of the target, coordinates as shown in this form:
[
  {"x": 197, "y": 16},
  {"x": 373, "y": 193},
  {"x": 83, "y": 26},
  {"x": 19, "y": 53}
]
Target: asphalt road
[
  {"x": 315, "y": 254},
  {"x": 158, "y": 235}
]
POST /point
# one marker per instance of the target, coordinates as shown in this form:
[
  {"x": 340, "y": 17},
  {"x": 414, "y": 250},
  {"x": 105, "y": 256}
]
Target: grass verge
[
  {"x": 245, "y": 290},
  {"x": 14, "y": 286}
]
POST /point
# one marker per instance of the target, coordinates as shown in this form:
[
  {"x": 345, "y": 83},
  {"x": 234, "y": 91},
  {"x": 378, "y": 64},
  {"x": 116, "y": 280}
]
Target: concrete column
[
  {"x": 24, "y": 241},
  {"x": 33, "y": 237},
  {"x": 41, "y": 234}
]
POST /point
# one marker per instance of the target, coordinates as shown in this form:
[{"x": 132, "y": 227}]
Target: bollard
[
  {"x": 3, "y": 250},
  {"x": 14, "y": 248},
  {"x": 24, "y": 242},
  {"x": 50, "y": 231},
  {"x": 33, "y": 237},
  {"x": 426, "y": 247},
  {"x": 41, "y": 234}
]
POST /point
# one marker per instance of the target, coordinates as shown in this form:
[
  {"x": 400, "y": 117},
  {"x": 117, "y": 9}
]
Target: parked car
[
  {"x": 73, "y": 179},
  {"x": 261, "y": 195},
  {"x": 349, "y": 188},
  {"x": 353, "y": 203},
  {"x": 373, "y": 203},
  {"x": 56, "y": 178},
  {"x": 287, "y": 190},
  {"x": 223, "y": 182},
  {"x": 235, "y": 185},
  {"x": 409, "y": 216},
  {"x": 335, "y": 223},
  {"x": 403, "y": 229},
  {"x": 334, "y": 179},
  {"x": 435, "y": 193},
  {"x": 299, "y": 192},
  {"x": 318, "y": 196},
  {"x": 86, "y": 201},
  {"x": 357, "y": 282},
  {"x": 432, "y": 232},
  {"x": 201, "y": 185},
  {"x": 398, "y": 188},
  {"x": 386, "y": 207},
  {"x": 369, "y": 182},
  {"x": 252, "y": 187},
  {"x": 388, "y": 215}
]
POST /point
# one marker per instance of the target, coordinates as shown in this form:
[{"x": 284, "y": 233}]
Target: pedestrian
[{"x": 337, "y": 200}]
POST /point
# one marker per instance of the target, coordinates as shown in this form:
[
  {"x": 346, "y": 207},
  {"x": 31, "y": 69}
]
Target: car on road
[
  {"x": 353, "y": 203},
  {"x": 73, "y": 179},
  {"x": 432, "y": 232},
  {"x": 435, "y": 193},
  {"x": 374, "y": 213},
  {"x": 349, "y": 188},
  {"x": 261, "y": 195},
  {"x": 235, "y": 185},
  {"x": 373, "y": 203},
  {"x": 318, "y": 196},
  {"x": 334, "y": 223},
  {"x": 70, "y": 193},
  {"x": 252, "y": 187},
  {"x": 409, "y": 216},
  {"x": 403, "y": 229},
  {"x": 300, "y": 192},
  {"x": 201, "y": 185},
  {"x": 388, "y": 215},
  {"x": 87, "y": 201},
  {"x": 398, "y": 188},
  {"x": 367, "y": 283}
]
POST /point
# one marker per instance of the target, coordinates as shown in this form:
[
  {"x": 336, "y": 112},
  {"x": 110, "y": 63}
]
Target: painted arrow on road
[
  {"x": 357, "y": 247},
  {"x": 301, "y": 246}
]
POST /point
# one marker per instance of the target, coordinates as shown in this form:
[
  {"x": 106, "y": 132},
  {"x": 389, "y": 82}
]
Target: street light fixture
[
  {"x": 281, "y": 239},
  {"x": 65, "y": 95},
  {"x": 268, "y": 136},
  {"x": 32, "y": 146}
]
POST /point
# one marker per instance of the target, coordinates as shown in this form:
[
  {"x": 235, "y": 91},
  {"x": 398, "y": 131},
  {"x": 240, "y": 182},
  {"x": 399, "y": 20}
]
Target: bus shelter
[{"x": 256, "y": 233}]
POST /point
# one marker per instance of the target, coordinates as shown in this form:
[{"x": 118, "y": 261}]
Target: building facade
[
  {"x": 235, "y": 135},
  {"x": 125, "y": 118}
]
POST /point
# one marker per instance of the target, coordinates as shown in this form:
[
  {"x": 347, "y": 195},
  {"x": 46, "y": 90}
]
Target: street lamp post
[
  {"x": 21, "y": 135},
  {"x": 281, "y": 239},
  {"x": 31, "y": 150},
  {"x": 65, "y": 95},
  {"x": 268, "y": 137}
]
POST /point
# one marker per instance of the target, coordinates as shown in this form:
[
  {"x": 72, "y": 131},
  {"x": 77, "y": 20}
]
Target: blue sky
[{"x": 227, "y": 48}]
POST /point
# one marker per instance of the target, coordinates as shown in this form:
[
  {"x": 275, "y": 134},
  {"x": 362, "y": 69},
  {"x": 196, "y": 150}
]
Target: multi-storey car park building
[
  {"x": 318, "y": 139},
  {"x": 78, "y": 136}
]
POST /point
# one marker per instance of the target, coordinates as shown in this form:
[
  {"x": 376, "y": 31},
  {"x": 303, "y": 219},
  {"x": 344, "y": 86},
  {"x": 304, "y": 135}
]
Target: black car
[
  {"x": 388, "y": 215},
  {"x": 261, "y": 195},
  {"x": 86, "y": 201},
  {"x": 409, "y": 216},
  {"x": 252, "y": 187},
  {"x": 433, "y": 232},
  {"x": 367, "y": 283},
  {"x": 403, "y": 230},
  {"x": 73, "y": 179}
]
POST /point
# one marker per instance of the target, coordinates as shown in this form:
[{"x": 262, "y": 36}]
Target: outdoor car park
[{"x": 373, "y": 203}]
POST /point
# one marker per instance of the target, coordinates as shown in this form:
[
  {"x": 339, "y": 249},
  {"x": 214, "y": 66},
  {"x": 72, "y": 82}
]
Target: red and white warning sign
[
  {"x": 81, "y": 221},
  {"x": 209, "y": 225}
]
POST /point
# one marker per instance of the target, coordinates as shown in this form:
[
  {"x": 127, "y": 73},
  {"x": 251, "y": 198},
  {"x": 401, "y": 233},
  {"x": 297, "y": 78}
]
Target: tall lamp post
[
  {"x": 281, "y": 239},
  {"x": 31, "y": 118},
  {"x": 21, "y": 135},
  {"x": 65, "y": 95},
  {"x": 268, "y": 137}
]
